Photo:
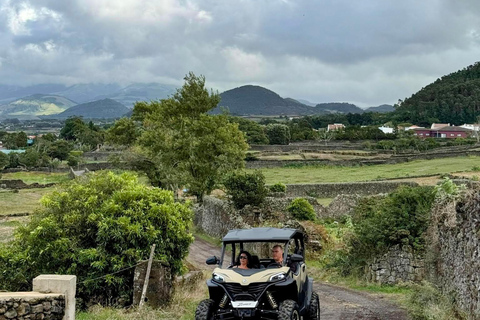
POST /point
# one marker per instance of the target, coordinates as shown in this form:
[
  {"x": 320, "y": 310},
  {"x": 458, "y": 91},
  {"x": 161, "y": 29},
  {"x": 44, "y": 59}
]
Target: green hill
[
  {"x": 381, "y": 108},
  {"x": 35, "y": 105},
  {"x": 256, "y": 100},
  {"x": 338, "y": 107},
  {"x": 454, "y": 98},
  {"x": 106, "y": 108}
]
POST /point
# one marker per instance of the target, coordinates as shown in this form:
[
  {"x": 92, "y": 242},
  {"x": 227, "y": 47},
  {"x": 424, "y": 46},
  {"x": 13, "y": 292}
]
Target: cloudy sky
[{"x": 366, "y": 52}]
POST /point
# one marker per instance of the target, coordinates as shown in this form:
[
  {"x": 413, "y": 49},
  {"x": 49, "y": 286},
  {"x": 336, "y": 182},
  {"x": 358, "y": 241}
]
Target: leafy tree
[
  {"x": 246, "y": 188},
  {"x": 187, "y": 146},
  {"x": 59, "y": 149},
  {"x": 301, "y": 209},
  {"x": 278, "y": 133},
  {"x": 72, "y": 128},
  {"x": 123, "y": 132},
  {"x": 254, "y": 132},
  {"x": 97, "y": 226},
  {"x": 3, "y": 161}
]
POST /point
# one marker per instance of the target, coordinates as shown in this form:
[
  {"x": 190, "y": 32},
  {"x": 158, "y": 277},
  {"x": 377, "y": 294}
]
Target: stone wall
[
  {"x": 454, "y": 251},
  {"x": 31, "y": 306},
  {"x": 330, "y": 190},
  {"x": 53, "y": 298},
  {"x": 399, "y": 264},
  {"x": 19, "y": 184}
]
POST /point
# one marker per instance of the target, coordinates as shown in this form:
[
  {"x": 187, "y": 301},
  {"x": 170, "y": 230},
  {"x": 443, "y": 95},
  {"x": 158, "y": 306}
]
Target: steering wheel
[{"x": 274, "y": 265}]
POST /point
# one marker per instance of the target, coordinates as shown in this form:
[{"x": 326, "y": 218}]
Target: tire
[
  {"x": 314, "y": 309},
  {"x": 205, "y": 310},
  {"x": 288, "y": 310}
]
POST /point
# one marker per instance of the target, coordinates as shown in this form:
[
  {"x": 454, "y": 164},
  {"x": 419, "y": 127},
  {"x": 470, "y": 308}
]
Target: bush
[
  {"x": 246, "y": 188},
  {"x": 98, "y": 228},
  {"x": 278, "y": 187},
  {"x": 301, "y": 209}
]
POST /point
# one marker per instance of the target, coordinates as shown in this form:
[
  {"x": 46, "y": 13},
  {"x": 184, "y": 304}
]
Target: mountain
[
  {"x": 306, "y": 102},
  {"x": 338, "y": 107},
  {"x": 256, "y": 100},
  {"x": 106, "y": 108},
  {"x": 141, "y": 92},
  {"x": 86, "y": 92},
  {"x": 10, "y": 93},
  {"x": 454, "y": 98},
  {"x": 35, "y": 105},
  {"x": 381, "y": 108}
]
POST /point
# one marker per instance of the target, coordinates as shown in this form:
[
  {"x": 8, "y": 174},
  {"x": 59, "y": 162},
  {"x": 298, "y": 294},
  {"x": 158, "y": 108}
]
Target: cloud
[{"x": 367, "y": 52}]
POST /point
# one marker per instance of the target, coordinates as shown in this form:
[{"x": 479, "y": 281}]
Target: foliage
[
  {"x": 278, "y": 187},
  {"x": 123, "y": 132},
  {"x": 400, "y": 218},
  {"x": 278, "y": 133},
  {"x": 448, "y": 190},
  {"x": 254, "y": 132},
  {"x": 187, "y": 146},
  {"x": 246, "y": 188},
  {"x": 93, "y": 228},
  {"x": 79, "y": 132},
  {"x": 4, "y": 160},
  {"x": 427, "y": 302},
  {"x": 59, "y": 149},
  {"x": 301, "y": 209},
  {"x": 32, "y": 158}
]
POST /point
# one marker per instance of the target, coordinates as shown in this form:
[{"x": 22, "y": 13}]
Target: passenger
[{"x": 244, "y": 260}]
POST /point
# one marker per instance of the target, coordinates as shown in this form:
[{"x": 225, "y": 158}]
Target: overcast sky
[{"x": 366, "y": 52}]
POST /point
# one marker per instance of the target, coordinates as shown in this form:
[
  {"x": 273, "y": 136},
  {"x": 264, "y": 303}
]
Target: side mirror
[
  {"x": 296, "y": 258},
  {"x": 213, "y": 260}
]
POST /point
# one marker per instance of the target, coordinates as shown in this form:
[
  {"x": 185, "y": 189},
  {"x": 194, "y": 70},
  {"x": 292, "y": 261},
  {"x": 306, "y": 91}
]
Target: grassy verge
[
  {"x": 39, "y": 177},
  {"x": 8, "y": 226},
  {"x": 320, "y": 174},
  {"x": 182, "y": 307},
  {"x": 23, "y": 201}
]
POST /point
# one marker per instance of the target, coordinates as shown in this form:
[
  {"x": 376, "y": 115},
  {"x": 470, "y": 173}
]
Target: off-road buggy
[{"x": 268, "y": 290}]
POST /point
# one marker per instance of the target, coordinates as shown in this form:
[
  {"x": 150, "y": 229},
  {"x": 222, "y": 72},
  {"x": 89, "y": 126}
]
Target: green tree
[
  {"x": 246, "y": 188},
  {"x": 123, "y": 132},
  {"x": 4, "y": 161},
  {"x": 187, "y": 146},
  {"x": 94, "y": 227},
  {"x": 301, "y": 209},
  {"x": 278, "y": 133},
  {"x": 59, "y": 149}
]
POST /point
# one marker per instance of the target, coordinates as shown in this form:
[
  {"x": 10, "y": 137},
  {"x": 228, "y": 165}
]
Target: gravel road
[{"x": 336, "y": 303}]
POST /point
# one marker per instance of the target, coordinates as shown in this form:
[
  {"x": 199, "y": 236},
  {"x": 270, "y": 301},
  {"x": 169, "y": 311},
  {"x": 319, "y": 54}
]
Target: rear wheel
[
  {"x": 314, "y": 309},
  {"x": 205, "y": 310},
  {"x": 288, "y": 310}
]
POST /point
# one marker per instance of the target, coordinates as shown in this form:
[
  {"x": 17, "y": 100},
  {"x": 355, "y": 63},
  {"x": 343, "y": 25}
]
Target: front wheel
[
  {"x": 314, "y": 309},
  {"x": 205, "y": 310},
  {"x": 288, "y": 310}
]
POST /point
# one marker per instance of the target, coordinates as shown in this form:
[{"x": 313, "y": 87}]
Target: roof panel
[{"x": 259, "y": 234}]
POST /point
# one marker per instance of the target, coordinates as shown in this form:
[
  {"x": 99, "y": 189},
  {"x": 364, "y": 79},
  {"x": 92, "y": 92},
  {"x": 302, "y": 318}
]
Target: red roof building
[{"x": 446, "y": 132}]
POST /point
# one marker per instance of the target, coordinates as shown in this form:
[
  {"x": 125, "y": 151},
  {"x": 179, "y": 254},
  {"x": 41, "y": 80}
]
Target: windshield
[{"x": 256, "y": 255}]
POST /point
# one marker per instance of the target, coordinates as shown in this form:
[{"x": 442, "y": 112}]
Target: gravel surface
[{"x": 336, "y": 303}]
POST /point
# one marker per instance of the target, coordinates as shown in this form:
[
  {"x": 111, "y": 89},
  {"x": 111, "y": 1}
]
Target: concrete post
[{"x": 64, "y": 284}]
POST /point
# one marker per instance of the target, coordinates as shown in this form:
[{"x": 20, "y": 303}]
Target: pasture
[{"x": 321, "y": 174}]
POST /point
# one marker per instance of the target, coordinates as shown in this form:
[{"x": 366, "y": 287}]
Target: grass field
[
  {"x": 40, "y": 177},
  {"x": 25, "y": 201},
  {"x": 320, "y": 174}
]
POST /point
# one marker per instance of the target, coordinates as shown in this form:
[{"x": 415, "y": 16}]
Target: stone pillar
[
  {"x": 64, "y": 284},
  {"x": 160, "y": 284}
]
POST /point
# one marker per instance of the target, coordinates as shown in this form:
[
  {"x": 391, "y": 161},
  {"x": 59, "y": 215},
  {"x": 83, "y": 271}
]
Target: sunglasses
[{"x": 243, "y": 257}]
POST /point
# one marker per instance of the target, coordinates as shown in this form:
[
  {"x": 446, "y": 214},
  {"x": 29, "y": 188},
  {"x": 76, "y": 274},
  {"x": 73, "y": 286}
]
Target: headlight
[
  {"x": 278, "y": 277},
  {"x": 218, "y": 277}
]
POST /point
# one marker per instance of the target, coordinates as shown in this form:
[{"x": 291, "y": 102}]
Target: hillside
[
  {"x": 338, "y": 107},
  {"x": 382, "y": 108},
  {"x": 35, "y": 105},
  {"x": 256, "y": 100},
  {"x": 454, "y": 98},
  {"x": 106, "y": 108}
]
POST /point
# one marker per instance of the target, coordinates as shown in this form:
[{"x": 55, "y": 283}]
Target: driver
[{"x": 277, "y": 254}]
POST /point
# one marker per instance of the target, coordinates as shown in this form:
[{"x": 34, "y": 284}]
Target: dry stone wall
[
  {"x": 399, "y": 264},
  {"x": 454, "y": 251},
  {"x": 331, "y": 190},
  {"x": 28, "y": 306}
]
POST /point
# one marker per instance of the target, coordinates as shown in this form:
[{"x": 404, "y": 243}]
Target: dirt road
[{"x": 336, "y": 303}]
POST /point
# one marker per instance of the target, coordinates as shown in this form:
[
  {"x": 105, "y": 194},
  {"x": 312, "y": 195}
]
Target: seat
[{"x": 256, "y": 262}]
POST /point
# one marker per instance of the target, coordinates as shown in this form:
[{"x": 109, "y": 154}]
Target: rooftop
[{"x": 260, "y": 234}]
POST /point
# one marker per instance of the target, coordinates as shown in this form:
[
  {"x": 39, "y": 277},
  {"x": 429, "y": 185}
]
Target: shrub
[
  {"x": 246, "y": 188},
  {"x": 278, "y": 187},
  {"x": 98, "y": 228},
  {"x": 301, "y": 209}
]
